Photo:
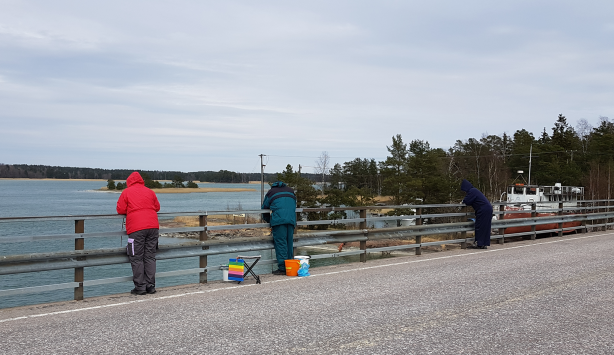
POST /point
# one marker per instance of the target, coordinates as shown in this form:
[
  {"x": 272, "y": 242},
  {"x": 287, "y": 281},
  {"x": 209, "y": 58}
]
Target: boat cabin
[{"x": 522, "y": 193}]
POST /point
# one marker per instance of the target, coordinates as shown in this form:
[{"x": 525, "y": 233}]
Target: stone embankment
[{"x": 192, "y": 221}]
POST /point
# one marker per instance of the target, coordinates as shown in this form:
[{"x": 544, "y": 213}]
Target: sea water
[{"x": 24, "y": 198}]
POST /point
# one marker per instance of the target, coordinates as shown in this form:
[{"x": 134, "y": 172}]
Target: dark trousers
[
  {"x": 483, "y": 221},
  {"x": 142, "y": 247},
  {"x": 283, "y": 238}
]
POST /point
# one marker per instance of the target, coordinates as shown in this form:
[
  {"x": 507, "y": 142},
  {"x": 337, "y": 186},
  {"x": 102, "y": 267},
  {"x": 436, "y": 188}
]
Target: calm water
[
  {"x": 20, "y": 198},
  {"x": 53, "y": 198}
]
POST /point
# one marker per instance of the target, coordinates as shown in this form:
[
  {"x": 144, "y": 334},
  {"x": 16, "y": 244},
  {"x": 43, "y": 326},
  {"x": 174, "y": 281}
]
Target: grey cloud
[{"x": 213, "y": 84}]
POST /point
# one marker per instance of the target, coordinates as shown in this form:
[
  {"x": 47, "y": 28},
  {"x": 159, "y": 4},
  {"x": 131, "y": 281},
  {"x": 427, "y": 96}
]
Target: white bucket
[
  {"x": 303, "y": 259},
  {"x": 407, "y": 222},
  {"x": 225, "y": 273}
]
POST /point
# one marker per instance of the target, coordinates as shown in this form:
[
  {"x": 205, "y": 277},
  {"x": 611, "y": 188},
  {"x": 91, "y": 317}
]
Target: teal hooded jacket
[{"x": 281, "y": 200}]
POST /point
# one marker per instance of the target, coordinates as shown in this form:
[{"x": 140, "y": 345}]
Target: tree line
[
  {"x": 62, "y": 172},
  {"x": 416, "y": 173}
]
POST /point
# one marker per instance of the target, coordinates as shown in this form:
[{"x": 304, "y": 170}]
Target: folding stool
[{"x": 249, "y": 267}]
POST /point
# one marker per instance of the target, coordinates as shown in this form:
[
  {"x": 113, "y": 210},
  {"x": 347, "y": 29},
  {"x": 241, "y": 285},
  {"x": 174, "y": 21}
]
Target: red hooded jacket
[{"x": 139, "y": 204}]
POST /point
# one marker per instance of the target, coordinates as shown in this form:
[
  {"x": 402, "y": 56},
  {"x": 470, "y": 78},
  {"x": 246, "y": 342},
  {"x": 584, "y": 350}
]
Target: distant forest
[
  {"x": 63, "y": 172},
  {"x": 414, "y": 172}
]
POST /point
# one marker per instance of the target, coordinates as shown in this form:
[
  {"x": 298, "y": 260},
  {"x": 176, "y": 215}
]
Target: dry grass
[
  {"x": 212, "y": 220},
  {"x": 215, "y": 220},
  {"x": 188, "y": 221},
  {"x": 383, "y": 199}
]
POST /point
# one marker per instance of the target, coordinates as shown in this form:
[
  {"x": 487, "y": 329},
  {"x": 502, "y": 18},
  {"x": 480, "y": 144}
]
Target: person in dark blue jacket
[
  {"x": 483, "y": 214},
  {"x": 281, "y": 200}
]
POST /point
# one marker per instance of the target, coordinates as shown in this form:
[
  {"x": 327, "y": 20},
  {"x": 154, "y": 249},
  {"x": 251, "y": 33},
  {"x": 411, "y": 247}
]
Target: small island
[{"x": 176, "y": 186}]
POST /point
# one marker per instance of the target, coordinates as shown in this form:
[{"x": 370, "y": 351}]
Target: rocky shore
[{"x": 219, "y": 235}]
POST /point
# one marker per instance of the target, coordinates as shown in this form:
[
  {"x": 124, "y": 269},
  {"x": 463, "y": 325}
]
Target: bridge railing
[{"x": 452, "y": 220}]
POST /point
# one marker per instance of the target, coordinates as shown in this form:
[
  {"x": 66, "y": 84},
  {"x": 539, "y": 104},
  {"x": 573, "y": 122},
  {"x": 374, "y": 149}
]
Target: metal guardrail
[{"x": 587, "y": 212}]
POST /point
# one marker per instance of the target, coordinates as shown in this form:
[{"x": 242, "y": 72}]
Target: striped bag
[{"x": 235, "y": 269}]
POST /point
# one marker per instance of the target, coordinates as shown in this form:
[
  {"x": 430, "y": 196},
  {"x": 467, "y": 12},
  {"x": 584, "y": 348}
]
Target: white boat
[{"x": 544, "y": 196}]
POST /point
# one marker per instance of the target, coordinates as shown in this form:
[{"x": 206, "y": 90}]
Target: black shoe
[
  {"x": 151, "y": 289},
  {"x": 279, "y": 272},
  {"x": 472, "y": 246},
  {"x": 138, "y": 292}
]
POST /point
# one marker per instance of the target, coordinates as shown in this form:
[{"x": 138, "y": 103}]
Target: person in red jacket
[{"x": 140, "y": 205}]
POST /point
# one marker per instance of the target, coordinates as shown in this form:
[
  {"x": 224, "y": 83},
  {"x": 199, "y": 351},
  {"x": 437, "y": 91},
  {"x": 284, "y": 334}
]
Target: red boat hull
[{"x": 539, "y": 227}]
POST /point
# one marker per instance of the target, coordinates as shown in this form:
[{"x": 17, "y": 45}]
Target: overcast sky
[{"x": 209, "y": 85}]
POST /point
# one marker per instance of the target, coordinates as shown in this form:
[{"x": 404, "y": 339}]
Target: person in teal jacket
[{"x": 281, "y": 200}]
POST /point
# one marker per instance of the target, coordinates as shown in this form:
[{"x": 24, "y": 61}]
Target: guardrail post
[
  {"x": 363, "y": 243},
  {"x": 560, "y": 213},
  {"x": 419, "y": 237},
  {"x": 533, "y": 215},
  {"x": 604, "y": 220},
  {"x": 583, "y": 205},
  {"x": 202, "y": 222},
  {"x": 605, "y": 209},
  {"x": 501, "y": 230},
  {"x": 608, "y": 220},
  {"x": 599, "y": 221},
  {"x": 464, "y": 233},
  {"x": 590, "y": 208},
  {"x": 294, "y": 249},
  {"x": 79, "y": 245}
]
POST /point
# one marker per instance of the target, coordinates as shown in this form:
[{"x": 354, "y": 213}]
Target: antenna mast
[{"x": 530, "y": 156}]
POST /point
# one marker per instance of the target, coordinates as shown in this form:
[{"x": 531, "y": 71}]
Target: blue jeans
[{"x": 283, "y": 238}]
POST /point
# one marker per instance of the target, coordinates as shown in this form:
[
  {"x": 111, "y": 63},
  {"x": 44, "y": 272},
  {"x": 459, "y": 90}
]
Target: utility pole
[
  {"x": 261, "y": 179},
  {"x": 299, "y": 176},
  {"x": 530, "y": 156}
]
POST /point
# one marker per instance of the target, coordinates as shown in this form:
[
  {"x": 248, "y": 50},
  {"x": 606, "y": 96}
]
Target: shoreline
[
  {"x": 123, "y": 180},
  {"x": 186, "y": 190}
]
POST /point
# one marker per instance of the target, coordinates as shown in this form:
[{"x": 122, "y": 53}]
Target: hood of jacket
[
  {"x": 466, "y": 185},
  {"x": 278, "y": 184},
  {"x": 135, "y": 178}
]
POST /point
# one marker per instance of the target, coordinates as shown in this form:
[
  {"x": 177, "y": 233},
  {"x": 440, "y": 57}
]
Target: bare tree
[
  {"x": 322, "y": 165},
  {"x": 583, "y": 129}
]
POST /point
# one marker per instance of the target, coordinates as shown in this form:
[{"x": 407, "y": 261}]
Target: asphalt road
[{"x": 550, "y": 296}]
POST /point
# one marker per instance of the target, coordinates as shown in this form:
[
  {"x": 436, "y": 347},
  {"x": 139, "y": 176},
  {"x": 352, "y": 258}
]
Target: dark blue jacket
[
  {"x": 475, "y": 198},
  {"x": 281, "y": 200},
  {"x": 483, "y": 212}
]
